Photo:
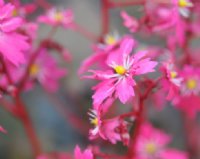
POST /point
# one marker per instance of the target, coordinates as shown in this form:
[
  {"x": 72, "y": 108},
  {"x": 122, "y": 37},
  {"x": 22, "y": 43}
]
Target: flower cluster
[{"x": 133, "y": 75}]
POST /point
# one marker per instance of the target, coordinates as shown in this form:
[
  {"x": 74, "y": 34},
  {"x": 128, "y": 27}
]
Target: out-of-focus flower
[
  {"x": 189, "y": 99},
  {"x": 12, "y": 44},
  {"x": 23, "y": 10},
  {"x": 152, "y": 143},
  {"x": 57, "y": 17},
  {"x": 2, "y": 130},
  {"x": 111, "y": 39},
  {"x": 191, "y": 82},
  {"x": 45, "y": 69},
  {"x": 87, "y": 154},
  {"x": 101, "y": 52},
  {"x": 172, "y": 82},
  {"x": 130, "y": 22}
]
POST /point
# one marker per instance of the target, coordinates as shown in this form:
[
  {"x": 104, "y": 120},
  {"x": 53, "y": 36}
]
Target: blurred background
[{"x": 52, "y": 113}]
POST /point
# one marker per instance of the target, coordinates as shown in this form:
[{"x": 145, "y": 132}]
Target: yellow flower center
[
  {"x": 15, "y": 12},
  {"x": 191, "y": 84},
  {"x": 94, "y": 121},
  {"x": 110, "y": 40},
  {"x": 173, "y": 74},
  {"x": 120, "y": 70},
  {"x": 183, "y": 3},
  {"x": 150, "y": 148},
  {"x": 58, "y": 16},
  {"x": 34, "y": 69}
]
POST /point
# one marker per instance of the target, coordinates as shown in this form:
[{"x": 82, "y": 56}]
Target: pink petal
[
  {"x": 103, "y": 90},
  {"x": 124, "y": 90},
  {"x": 11, "y": 25},
  {"x": 127, "y": 45}
]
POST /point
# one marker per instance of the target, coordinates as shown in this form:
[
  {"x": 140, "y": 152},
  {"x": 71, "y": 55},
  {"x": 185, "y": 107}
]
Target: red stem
[
  {"x": 138, "y": 123},
  {"x": 191, "y": 144},
  {"x": 85, "y": 32},
  {"x": 19, "y": 111},
  {"x": 109, "y": 156},
  {"x": 127, "y": 3},
  {"x": 105, "y": 17},
  {"x": 43, "y": 4},
  {"x": 140, "y": 118},
  {"x": 26, "y": 121}
]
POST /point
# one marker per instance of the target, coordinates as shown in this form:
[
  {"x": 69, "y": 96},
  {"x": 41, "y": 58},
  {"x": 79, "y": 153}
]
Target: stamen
[
  {"x": 110, "y": 40},
  {"x": 120, "y": 70},
  {"x": 94, "y": 121},
  {"x": 93, "y": 117},
  {"x": 184, "y": 3},
  {"x": 58, "y": 16},
  {"x": 173, "y": 74},
  {"x": 34, "y": 69},
  {"x": 150, "y": 148},
  {"x": 15, "y": 12},
  {"x": 191, "y": 84}
]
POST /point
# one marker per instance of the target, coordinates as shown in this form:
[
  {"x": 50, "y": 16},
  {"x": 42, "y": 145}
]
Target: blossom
[
  {"x": 191, "y": 82},
  {"x": 87, "y": 154},
  {"x": 12, "y": 43},
  {"x": 101, "y": 52},
  {"x": 45, "y": 69},
  {"x": 57, "y": 17},
  {"x": 117, "y": 81},
  {"x": 107, "y": 128},
  {"x": 2, "y": 130},
  {"x": 167, "y": 21},
  {"x": 111, "y": 39},
  {"x": 189, "y": 99},
  {"x": 152, "y": 143},
  {"x": 23, "y": 9},
  {"x": 130, "y": 22},
  {"x": 172, "y": 82},
  {"x": 161, "y": 17}
]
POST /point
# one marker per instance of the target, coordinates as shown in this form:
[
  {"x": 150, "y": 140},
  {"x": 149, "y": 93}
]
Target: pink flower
[
  {"x": 57, "y": 17},
  {"x": 23, "y": 10},
  {"x": 12, "y": 44},
  {"x": 172, "y": 82},
  {"x": 87, "y": 154},
  {"x": 101, "y": 52},
  {"x": 167, "y": 21},
  {"x": 107, "y": 129},
  {"x": 117, "y": 80},
  {"x": 110, "y": 40},
  {"x": 191, "y": 82},
  {"x": 152, "y": 143},
  {"x": 189, "y": 98},
  {"x": 46, "y": 71},
  {"x": 130, "y": 22},
  {"x": 2, "y": 130},
  {"x": 160, "y": 17}
]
